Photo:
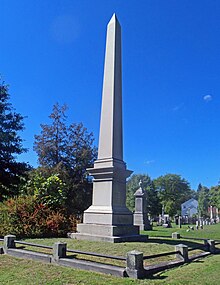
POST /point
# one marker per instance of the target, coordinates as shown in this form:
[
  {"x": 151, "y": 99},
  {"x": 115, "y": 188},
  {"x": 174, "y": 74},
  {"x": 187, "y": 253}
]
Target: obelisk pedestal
[{"x": 108, "y": 218}]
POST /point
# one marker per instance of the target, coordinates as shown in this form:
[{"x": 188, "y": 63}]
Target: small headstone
[{"x": 140, "y": 214}]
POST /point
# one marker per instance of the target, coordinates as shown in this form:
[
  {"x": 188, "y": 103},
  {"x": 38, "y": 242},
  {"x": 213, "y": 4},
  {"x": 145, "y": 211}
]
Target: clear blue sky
[{"x": 53, "y": 51}]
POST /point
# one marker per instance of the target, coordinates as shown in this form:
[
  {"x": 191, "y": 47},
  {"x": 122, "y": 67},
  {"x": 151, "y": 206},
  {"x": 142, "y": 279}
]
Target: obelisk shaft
[
  {"x": 108, "y": 218},
  {"x": 110, "y": 138}
]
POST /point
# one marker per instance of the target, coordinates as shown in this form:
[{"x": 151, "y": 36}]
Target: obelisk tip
[{"x": 113, "y": 19}]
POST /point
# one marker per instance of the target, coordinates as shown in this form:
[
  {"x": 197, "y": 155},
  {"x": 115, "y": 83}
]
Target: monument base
[
  {"x": 108, "y": 233},
  {"x": 142, "y": 221}
]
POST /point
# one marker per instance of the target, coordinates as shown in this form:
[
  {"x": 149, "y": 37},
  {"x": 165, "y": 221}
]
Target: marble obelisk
[{"x": 108, "y": 218}]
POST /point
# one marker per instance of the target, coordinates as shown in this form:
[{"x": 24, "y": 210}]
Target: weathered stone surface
[
  {"x": 9, "y": 242},
  {"x": 176, "y": 235},
  {"x": 140, "y": 214},
  {"x": 211, "y": 246},
  {"x": 135, "y": 267},
  {"x": 59, "y": 250},
  {"x": 109, "y": 172},
  {"x": 183, "y": 255},
  {"x": 113, "y": 239},
  {"x": 93, "y": 266},
  {"x": 29, "y": 255}
]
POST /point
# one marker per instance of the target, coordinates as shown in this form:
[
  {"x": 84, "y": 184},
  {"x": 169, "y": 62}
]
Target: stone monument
[
  {"x": 108, "y": 218},
  {"x": 140, "y": 214}
]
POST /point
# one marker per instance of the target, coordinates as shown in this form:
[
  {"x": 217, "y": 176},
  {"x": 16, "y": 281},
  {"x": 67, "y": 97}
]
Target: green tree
[
  {"x": 203, "y": 201},
  {"x": 11, "y": 123},
  {"x": 51, "y": 144},
  {"x": 67, "y": 150},
  {"x": 48, "y": 190},
  {"x": 153, "y": 205},
  {"x": 214, "y": 196},
  {"x": 173, "y": 190}
]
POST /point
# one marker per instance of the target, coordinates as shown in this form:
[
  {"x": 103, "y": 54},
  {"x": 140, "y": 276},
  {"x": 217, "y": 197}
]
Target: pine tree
[{"x": 11, "y": 123}]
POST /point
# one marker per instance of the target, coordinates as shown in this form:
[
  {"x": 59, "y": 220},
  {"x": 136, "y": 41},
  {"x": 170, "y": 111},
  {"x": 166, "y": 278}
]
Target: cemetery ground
[{"x": 201, "y": 271}]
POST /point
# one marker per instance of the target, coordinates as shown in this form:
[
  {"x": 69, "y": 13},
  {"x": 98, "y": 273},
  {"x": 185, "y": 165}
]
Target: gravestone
[
  {"x": 140, "y": 214},
  {"x": 180, "y": 222},
  {"x": 108, "y": 218}
]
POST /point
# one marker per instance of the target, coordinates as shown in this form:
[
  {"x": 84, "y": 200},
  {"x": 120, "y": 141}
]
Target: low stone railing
[{"x": 134, "y": 260}]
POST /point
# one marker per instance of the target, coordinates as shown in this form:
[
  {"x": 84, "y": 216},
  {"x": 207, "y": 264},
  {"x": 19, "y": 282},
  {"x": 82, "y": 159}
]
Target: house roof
[{"x": 190, "y": 201}]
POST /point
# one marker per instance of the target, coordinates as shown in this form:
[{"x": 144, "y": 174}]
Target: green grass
[
  {"x": 203, "y": 271},
  {"x": 210, "y": 232}
]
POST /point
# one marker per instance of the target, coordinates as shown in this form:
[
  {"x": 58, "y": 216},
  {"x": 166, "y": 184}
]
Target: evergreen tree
[
  {"x": 67, "y": 150},
  {"x": 51, "y": 144},
  {"x": 11, "y": 123}
]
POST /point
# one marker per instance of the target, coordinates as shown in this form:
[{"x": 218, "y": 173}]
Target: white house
[{"x": 189, "y": 208}]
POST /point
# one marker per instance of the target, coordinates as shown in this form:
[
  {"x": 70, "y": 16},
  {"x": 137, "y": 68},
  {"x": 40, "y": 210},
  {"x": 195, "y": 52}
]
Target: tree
[
  {"x": 203, "y": 201},
  {"x": 173, "y": 191},
  {"x": 51, "y": 144},
  {"x": 214, "y": 196},
  {"x": 11, "y": 123},
  {"x": 67, "y": 150},
  {"x": 153, "y": 205}
]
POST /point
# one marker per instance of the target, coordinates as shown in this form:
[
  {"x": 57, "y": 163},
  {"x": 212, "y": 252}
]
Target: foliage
[
  {"x": 67, "y": 151},
  {"x": 70, "y": 145},
  {"x": 214, "y": 196},
  {"x": 153, "y": 205},
  {"x": 51, "y": 143},
  {"x": 27, "y": 217},
  {"x": 49, "y": 191},
  {"x": 173, "y": 191},
  {"x": 11, "y": 123},
  {"x": 203, "y": 201}
]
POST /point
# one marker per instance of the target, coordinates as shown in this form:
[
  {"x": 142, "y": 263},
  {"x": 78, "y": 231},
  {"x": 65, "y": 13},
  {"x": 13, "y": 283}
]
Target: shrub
[
  {"x": 49, "y": 191},
  {"x": 26, "y": 217}
]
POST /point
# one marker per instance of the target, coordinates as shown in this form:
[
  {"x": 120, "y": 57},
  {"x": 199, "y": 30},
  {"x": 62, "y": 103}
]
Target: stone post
[
  {"x": 211, "y": 213},
  {"x": 59, "y": 250},
  {"x": 183, "y": 249},
  {"x": 176, "y": 235},
  {"x": 140, "y": 214},
  {"x": 180, "y": 222},
  {"x": 9, "y": 242},
  {"x": 135, "y": 266},
  {"x": 163, "y": 211},
  {"x": 217, "y": 217},
  {"x": 211, "y": 246}
]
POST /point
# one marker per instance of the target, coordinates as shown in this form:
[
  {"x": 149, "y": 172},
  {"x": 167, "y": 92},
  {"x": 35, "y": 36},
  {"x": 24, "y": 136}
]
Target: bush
[
  {"x": 26, "y": 217},
  {"x": 48, "y": 190}
]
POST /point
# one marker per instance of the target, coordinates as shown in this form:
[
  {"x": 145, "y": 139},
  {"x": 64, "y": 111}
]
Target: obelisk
[{"x": 108, "y": 218}]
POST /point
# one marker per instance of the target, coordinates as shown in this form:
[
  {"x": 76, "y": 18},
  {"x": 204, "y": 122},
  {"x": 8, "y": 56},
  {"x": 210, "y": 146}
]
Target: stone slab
[
  {"x": 108, "y": 230},
  {"x": 29, "y": 255},
  {"x": 113, "y": 239},
  {"x": 107, "y": 218},
  {"x": 93, "y": 266},
  {"x": 155, "y": 268}
]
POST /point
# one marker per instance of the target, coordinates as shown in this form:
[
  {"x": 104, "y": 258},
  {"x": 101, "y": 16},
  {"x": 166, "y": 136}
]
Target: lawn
[{"x": 203, "y": 271}]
